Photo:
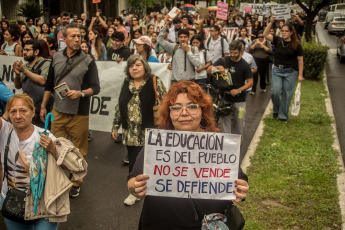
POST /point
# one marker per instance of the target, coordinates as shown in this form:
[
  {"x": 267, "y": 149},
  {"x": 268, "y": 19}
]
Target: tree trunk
[{"x": 308, "y": 29}]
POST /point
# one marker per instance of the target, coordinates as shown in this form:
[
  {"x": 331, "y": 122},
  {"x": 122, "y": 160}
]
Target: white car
[{"x": 336, "y": 25}]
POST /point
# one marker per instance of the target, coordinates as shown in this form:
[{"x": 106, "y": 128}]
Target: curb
[
  {"x": 336, "y": 146},
  {"x": 341, "y": 176},
  {"x": 256, "y": 138}
]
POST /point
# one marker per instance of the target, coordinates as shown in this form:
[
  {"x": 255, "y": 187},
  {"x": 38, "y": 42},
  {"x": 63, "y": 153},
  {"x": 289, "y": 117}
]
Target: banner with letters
[
  {"x": 200, "y": 165},
  {"x": 111, "y": 76}
]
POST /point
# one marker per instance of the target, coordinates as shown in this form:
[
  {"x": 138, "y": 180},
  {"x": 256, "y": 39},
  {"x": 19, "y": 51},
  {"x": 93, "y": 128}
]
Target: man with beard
[
  {"x": 242, "y": 79},
  {"x": 58, "y": 36},
  {"x": 118, "y": 52},
  {"x": 32, "y": 76}
]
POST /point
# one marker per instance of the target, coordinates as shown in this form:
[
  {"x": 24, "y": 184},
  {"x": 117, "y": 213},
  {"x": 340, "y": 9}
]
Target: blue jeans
[
  {"x": 283, "y": 85},
  {"x": 40, "y": 224}
]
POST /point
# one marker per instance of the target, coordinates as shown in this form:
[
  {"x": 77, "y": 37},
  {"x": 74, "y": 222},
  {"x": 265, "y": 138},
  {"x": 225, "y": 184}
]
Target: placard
[
  {"x": 96, "y": 1},
  {"x": 222, "y": 10},
  {"x": 203, "y": 12},
  {"x": 200, "y": 165},
  {"x": 281, "y": 12},
  {"x": 173, "y": 13}
]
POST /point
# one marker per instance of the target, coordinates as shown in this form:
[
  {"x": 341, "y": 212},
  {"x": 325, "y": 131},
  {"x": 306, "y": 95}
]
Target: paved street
[{"x": 336, "y": 83}]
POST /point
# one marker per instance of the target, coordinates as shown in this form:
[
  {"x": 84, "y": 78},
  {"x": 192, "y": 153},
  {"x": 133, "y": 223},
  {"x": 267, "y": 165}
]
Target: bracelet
[{"x": 239, "y": 90}]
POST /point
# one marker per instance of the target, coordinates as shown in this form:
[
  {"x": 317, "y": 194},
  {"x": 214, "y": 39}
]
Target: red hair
[{"x": 197, "y": 96}]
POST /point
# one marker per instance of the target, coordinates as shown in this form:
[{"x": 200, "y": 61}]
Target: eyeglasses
[
  {"x": 177, "y": 109},
  {"x": 27, "y": 50}
]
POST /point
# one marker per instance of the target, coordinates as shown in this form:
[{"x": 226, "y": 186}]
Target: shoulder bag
[
  {"x": 157, "y": 103},
  {"x": 13, "y": 207}
]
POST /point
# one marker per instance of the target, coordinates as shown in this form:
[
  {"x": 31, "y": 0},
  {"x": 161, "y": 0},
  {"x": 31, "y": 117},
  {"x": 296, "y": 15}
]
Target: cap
[{"x": 143, "y": 40}]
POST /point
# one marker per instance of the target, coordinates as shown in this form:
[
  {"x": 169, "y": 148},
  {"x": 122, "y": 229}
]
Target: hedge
[{"x": 314, "y": 56}]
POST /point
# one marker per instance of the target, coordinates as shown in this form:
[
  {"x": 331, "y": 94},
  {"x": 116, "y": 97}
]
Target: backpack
[
  {"x": 221, "y": 81},
  {"x": 221, "y": 42}
]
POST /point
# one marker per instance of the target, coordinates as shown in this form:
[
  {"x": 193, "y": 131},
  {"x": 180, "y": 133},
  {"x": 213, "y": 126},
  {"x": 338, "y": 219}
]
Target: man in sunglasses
[{"x": 118, "y": 52}]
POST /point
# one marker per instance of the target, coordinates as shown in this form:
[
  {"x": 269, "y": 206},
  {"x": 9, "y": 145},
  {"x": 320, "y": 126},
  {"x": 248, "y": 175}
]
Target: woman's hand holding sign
[
  {"x": 137, "y": 185},
  {"x": 241, "y": 191}
]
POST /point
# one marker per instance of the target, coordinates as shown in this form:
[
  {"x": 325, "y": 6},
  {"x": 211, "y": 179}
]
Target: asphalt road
[
  {"x": 336, "y": 83},
  {"x": 100, "y": 204}
]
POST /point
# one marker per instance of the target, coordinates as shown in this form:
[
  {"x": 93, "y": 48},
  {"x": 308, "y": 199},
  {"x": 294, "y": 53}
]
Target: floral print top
[{"x": 134, "y": 136}]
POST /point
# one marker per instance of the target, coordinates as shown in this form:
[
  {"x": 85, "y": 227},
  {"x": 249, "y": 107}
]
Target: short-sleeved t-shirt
[
  {"x": 240, "y": 71},
  {"x": 19, "y": 156},
  {"x": 285, "y": 55}
]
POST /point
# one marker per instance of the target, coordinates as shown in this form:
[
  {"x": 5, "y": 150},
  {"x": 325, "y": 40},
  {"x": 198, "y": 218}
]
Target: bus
[{"x": 337, "y": 7}]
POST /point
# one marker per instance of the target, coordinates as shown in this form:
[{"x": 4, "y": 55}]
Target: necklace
[{"x": 284, "y": 46}]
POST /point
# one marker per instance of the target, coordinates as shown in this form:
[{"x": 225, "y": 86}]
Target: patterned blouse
[{"x": 134, "y": 136}]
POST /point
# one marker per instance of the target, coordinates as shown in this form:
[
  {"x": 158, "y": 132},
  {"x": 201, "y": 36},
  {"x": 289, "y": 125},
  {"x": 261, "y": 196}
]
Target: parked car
[
  {"x": 336, "y": 25},
  {"x": 330, "y": 16},
  {"x": 322, "y": 15},
  {"x": 341, "y": 46}
]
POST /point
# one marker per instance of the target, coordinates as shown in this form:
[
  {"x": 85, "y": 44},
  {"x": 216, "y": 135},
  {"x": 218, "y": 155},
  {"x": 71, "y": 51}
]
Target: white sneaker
[{"x": 130, "y": 200}]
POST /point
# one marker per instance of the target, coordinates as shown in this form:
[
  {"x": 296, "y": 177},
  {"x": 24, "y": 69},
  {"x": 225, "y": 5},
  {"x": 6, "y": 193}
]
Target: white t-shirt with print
[{"x": 19, "y": 156}]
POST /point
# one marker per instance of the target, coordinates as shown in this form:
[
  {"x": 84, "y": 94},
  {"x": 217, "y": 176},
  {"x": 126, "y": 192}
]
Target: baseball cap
[{"x": 143, "y": 40}]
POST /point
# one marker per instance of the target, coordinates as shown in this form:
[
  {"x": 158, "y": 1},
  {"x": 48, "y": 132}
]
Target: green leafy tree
[{"x": 31, "y": 10}]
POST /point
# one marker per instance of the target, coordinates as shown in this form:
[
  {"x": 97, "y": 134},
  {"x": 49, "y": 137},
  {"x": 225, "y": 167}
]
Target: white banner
[
  {"x": 228, "y": 32},
  {"x": 111, "y": 76},
  {"x": 196, "y": 164}
]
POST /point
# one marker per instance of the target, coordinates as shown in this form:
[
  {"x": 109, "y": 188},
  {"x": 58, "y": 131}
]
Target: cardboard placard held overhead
[
  {"x": 222, "y": 11},
  {"x": 203, "y": 12},
  {"x": 281, "y": 12},
  {"x": 96, "y": 1}
]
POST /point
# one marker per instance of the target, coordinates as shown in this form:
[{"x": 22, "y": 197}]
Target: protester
[
  {"x": 242, "y": 79},
  {"x": 155, "y": 45},
  {"x": 150, "y": 30},
  {"x": 98, "y": 50},
  {"x": 11, "y": 46},
  {"x": 58, "y": 35},
  {"x": 22, "y": 137},
  {"x": 107, "y": 40},
  {"x": 32, "y": 27},
  {"x": 134, "y": 109},
  {"x": 184, "y": 59},
  {"x": 25, "y": 36},
  {"x": 98, "y": 23},
  {"x": 5, "y": 95},
  {"x": 51, "y": 44},
  {"x": 260, "y": 49},
  {"x": 71, "y": 114},
  {"x": 173, "y": 31},
  {"x": 205, "y": 60},
  {"x": 243, "y": 35},
  {"x": 216, "y": 45},
  {"x": 118, "y": 52},
  {"x": 143, "y": 47},
  {"x": 288, "y": 68},
  {"x": 38, "y": 26},
  {"x": 120, "y": 27},
  {"x": 84, "y": 33},
  {"x": 185, "y": 101},
  {"x": 45, "y": 31}
]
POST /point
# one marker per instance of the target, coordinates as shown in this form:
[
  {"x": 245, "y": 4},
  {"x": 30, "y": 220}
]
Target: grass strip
[{"x": 293, "y": 172}]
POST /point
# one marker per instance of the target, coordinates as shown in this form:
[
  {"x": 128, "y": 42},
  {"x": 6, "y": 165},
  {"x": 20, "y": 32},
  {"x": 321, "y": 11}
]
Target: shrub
[{"x": 314, "y": 57}]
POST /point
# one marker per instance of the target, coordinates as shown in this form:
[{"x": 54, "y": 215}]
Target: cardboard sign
[
  {"x": 173, "y": 13},
  {"x": 248, "y": 9},
  {"x": 203, "y": 12},
  {"x": 96, "y": 1},
  {"x": 197, "y": 164},
  {"x": 222, "y": 10},
  {"x": 281, "y": 12}
]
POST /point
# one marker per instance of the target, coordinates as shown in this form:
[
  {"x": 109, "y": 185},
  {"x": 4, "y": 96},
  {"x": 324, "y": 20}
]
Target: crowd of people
[{"x": 60, "y": 75}]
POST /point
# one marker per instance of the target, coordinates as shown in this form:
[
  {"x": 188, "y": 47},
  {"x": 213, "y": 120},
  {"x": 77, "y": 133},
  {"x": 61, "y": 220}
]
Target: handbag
[
  {"x": 157, "y": 103},
  {"x": 297, "y": 101},
  {"x": 235, "y": 219},
  {"x": 13, "y": 207}
]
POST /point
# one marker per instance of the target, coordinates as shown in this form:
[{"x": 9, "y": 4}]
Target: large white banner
[
  {"x": 111, "y": 76},
  {"x": 196, "y": 164}
]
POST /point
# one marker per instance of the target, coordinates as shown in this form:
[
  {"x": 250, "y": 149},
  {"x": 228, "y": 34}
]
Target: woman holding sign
[
  {"x": 134, "y": 110},
  {"x": 185, "y": 108}
]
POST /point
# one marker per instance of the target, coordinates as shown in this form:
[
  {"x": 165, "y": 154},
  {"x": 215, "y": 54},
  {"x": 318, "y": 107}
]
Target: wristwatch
[
  {"x": 82, "y": 94},
  {"x": 239, "y": 90}
]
